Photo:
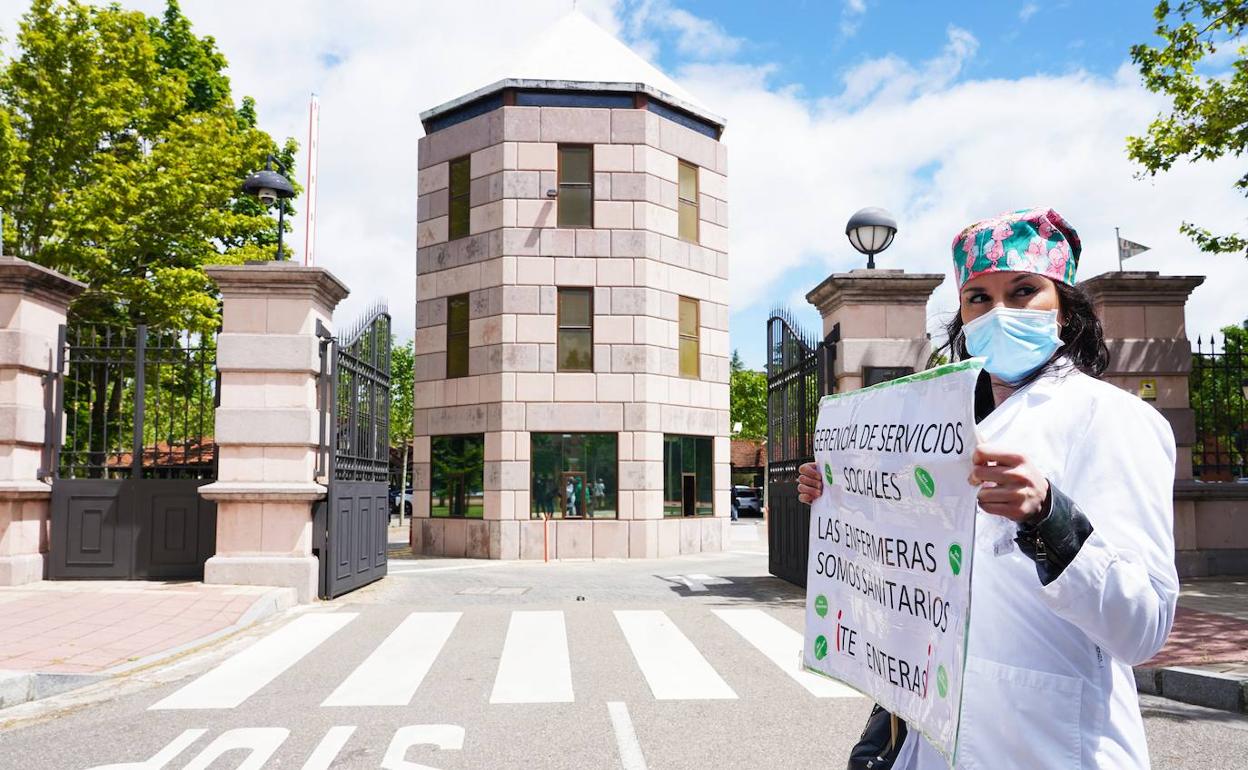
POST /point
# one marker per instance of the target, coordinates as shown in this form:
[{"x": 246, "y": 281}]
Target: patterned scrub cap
[{"x": 1028, "y": 240}]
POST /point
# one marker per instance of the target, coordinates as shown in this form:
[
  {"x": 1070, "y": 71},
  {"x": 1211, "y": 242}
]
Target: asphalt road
[{"x": 451, "y": 642}]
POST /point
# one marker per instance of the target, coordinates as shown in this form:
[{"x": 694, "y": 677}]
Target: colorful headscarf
[{"x": 1028, "y": 241}]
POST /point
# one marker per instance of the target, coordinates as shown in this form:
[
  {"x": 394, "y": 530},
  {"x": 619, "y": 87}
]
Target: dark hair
[{"x": 1083, "y": 341}]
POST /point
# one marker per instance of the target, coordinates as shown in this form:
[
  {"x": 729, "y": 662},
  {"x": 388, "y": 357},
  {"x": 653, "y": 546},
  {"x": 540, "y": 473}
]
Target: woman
[{"x": 1073, "y": 578}]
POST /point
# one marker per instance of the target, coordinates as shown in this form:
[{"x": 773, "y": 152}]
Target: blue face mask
[{"x": 1015, "y": 342}]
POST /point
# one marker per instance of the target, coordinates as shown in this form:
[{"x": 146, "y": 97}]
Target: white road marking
[
  {"x": 242, "y": 675},
  {"x": 693, "y": 585},
  {"x": 323, "y": 756},
  {"x": 671, "y": 664},
  {"x": 782, "y": 646},
  {"x": 710, "y": 580},
  {"x": 535, "y": 666},
  {"x": 392, "y": 673},
  {"x": 445, "y": 737},
  {"x": 260, "y": 743},
  {"x": 631, "y": 757}
]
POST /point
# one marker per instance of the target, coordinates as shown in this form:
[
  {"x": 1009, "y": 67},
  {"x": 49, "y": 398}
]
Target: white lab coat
[{"x": 1048, "y": 678}]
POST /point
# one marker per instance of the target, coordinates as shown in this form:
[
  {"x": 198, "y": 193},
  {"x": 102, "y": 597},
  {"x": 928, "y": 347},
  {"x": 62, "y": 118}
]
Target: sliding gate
[{"x": 354, "y": 394}]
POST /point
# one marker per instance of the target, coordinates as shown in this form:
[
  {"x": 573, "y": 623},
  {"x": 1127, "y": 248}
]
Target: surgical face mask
[{"x": 1015, "y": 342}]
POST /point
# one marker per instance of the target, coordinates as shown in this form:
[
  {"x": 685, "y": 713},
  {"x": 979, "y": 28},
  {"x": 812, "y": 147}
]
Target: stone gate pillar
[
  {"x": 33, "y": 303},
  {"x": 267, "y": 425},
  {"x": 881, "y": 319},
  {"x": 1142, "y": 314}
]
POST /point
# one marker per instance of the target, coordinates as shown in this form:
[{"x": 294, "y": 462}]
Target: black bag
[{"x": 880, "y": 742}]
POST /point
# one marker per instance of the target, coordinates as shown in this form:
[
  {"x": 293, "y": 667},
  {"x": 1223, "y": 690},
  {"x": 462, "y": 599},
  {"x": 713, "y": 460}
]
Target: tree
[
  {"x": 121, "y": 161},
  {"x": 1209, "y": 115},
  {"x": 402, "y": 393},
  {"x": 747, "y": 399}
]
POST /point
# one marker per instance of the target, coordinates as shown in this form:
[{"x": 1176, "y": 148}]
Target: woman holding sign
[{"x": 1073, "y": 579}]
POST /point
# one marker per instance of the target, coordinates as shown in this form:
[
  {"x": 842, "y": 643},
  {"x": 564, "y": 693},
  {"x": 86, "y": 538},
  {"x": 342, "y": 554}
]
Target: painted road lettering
[{"x": 261, "y": 743}]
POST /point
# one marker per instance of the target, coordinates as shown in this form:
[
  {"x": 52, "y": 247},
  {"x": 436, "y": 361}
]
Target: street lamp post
[
  {"x": 871, "y": 230},
  {"x": 271, "y": 187}
]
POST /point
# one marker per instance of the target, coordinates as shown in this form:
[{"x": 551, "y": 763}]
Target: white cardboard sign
[{"x": 888, "y": 589}]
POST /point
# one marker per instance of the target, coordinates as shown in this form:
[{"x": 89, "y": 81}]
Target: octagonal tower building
[{"x": 571, "y": 353}]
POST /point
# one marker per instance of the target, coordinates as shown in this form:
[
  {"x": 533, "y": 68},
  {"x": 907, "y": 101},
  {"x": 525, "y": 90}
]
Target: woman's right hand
[{"x": 809, "y": 483}]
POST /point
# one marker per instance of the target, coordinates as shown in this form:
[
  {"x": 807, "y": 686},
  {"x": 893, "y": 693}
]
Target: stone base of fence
[
  {"x": 566, "y": 539},
  {"x": 1211, "y": 528}
]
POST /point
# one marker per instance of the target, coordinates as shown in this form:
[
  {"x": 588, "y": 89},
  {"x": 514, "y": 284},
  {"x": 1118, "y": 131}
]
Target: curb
[
  {"x": 1195, "y": 686},
  {"x": 17, "y": 687}
]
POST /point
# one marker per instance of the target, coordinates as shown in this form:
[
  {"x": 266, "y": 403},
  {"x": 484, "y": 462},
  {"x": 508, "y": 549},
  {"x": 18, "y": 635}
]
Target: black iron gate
[
  {"x": 354, "y": 393},
  {"x": 799, "y": 373},
  {"x": 129, "y": 444}
]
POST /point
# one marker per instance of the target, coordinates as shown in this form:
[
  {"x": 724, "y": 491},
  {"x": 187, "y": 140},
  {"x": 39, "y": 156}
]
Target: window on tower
[{"x": 576, "y": 186}]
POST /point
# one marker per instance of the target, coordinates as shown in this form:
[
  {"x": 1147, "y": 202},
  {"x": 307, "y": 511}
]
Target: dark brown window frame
[
  {"x": 696, "y": 337},
  {"x": 451, "y": 197},
  {"x": 453, "y": 337},
  {"x": 559, "y": 325},
  {"x": 560, "y": 184},
  {"x": 697, "y": 209}
]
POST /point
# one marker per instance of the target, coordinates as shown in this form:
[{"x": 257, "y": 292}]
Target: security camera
[{"x": 267, "y": 196}]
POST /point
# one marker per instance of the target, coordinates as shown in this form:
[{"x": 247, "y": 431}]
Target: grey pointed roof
[{"x": 577, "y": 54}]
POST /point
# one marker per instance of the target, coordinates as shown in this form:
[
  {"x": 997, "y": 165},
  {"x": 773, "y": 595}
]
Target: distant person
[
  {"x": 569, "y": 498},
  {"x": 600, "y": 495},
  {"x": 1074, "y": 579},
  {"x": 540, "y": 491}
]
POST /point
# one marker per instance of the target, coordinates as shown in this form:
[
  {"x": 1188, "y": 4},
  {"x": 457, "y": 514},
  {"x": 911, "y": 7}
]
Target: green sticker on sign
[
  {"x": 827, "y": 474},
  {"x": 927, "y": 485},
  {"x": 942, "y": 681},
  {"x": 955, "y": 558},
  {"x": 821, "y": 647},
  {"x": 821, "y": 606}
]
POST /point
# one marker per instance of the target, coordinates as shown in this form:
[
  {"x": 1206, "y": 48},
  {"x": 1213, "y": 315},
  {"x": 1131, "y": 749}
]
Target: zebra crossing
[{"x": 534, "y": 663}]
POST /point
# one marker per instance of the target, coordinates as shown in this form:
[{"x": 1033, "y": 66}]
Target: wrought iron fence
[
  {"x": 1217, "y": 385},
  {"x": 135, "y": 403},
  {"x": 361, "y": 397},
  {"x": 799, "y": 373}
]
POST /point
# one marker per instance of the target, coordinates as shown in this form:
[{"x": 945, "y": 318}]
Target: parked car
[
  {"x": 747, "y": 500},
  {"x": 407, "y": 502}
]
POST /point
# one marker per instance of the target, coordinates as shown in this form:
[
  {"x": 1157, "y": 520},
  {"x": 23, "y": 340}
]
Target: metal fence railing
[
  {"x": 1217, "y": 387},
  {"x": 135, "y": 403}
]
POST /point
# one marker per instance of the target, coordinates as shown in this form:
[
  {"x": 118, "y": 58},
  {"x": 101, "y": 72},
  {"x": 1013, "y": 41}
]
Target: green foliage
[
  {"x": 402, "y": 391},
  {"x": 747, "y": 399},
  {"x": 1209, "y": 116},
  {"x": 121, "y": 162}
]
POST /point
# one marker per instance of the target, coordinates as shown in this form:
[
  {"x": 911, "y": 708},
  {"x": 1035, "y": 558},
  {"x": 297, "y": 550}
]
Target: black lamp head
[{"x": 268, "y": 185}]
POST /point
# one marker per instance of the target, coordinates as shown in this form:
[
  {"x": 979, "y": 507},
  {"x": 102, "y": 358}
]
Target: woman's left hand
[{"x": 1009, "y": 485}]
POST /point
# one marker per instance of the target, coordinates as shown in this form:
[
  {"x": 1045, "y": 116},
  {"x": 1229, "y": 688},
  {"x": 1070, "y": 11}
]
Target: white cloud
[
  {"x": 696, "y": 38},
  {"x": 1027, "y": 11},
  {"x": 941, "y": 152},
  {"x": 851, "y": 16},
  {"x": 919, "y": 138}
]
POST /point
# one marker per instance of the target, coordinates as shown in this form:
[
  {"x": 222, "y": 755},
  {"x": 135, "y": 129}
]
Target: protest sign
[{"x": 888, "y": 589}]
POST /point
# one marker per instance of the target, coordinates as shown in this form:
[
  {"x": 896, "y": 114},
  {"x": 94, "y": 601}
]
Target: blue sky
[
  {"x": 810, "y": 41},
  {"x": 810, "y": 50}
]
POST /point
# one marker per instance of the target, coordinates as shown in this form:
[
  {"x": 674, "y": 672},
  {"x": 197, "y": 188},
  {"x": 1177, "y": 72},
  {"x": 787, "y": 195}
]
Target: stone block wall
[{"x": 511, "y": 264}]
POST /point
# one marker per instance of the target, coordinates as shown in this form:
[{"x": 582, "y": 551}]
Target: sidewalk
[
  {"x": 60, "y": 635},
  {"x": 1205, "y": 661}
]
